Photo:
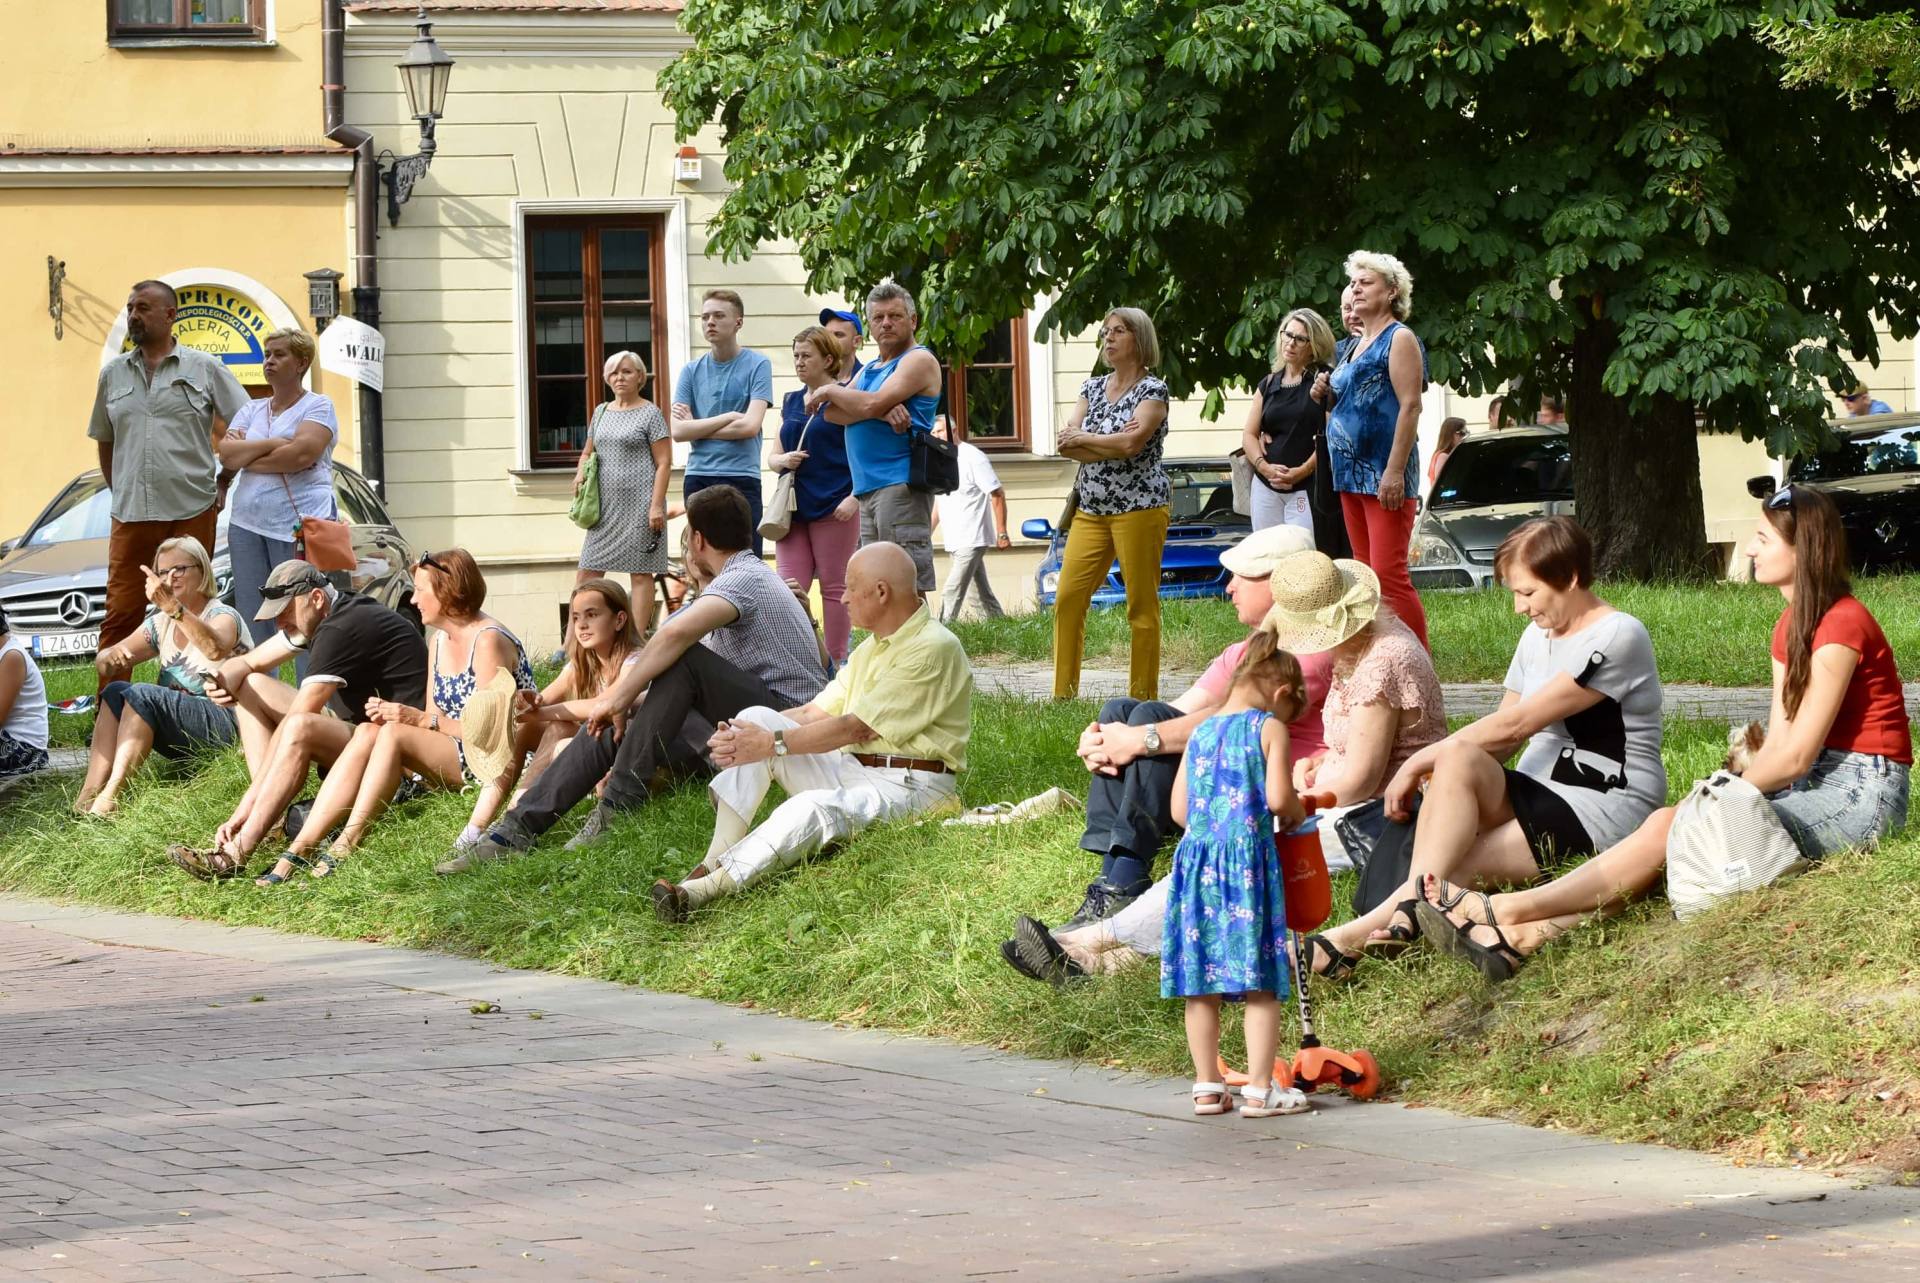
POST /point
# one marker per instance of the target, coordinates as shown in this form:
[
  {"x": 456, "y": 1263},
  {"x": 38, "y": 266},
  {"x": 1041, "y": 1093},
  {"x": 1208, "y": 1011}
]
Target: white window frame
[{"x": 673, "y": 292}]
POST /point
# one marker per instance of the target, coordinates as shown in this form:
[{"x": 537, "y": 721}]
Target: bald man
[{"x": 884, "y": 740}]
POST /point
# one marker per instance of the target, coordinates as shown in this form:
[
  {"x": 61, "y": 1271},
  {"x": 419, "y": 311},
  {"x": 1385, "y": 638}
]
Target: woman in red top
[{"x": 1834, "y": 765}]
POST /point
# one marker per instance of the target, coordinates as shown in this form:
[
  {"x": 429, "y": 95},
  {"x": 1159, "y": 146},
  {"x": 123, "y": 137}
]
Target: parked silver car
[
  {"x": 1491, "y": 483},
  {"x": 53, "y": 579}
]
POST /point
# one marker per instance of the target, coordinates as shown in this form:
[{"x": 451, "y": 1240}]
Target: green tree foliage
[
  {"x": 1656, "y": 227},
  {"x": 1854, "y": 55}
]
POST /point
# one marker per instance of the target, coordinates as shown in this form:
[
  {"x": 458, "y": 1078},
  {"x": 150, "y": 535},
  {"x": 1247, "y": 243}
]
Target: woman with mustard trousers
[{"x": 1116, "y": 432}]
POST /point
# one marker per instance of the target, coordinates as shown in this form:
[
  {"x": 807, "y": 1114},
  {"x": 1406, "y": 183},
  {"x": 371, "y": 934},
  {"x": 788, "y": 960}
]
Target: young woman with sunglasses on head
[
  {"x": 471, "y": 647},
  {"x": 1834, "y": 764}
]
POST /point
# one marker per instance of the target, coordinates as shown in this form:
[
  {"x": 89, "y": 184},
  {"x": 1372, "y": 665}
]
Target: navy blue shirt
[{"x": 824, "y": 479}]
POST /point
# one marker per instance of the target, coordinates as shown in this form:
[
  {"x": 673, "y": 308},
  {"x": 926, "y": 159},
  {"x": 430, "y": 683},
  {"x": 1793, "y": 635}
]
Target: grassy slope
[
  {"x": 1766, "y": 1029},
  {"x": 1702, "y": 634}
]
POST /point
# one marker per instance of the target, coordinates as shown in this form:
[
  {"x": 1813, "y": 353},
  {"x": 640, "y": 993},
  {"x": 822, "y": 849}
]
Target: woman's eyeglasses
[{"x": 1288, "y": 336}]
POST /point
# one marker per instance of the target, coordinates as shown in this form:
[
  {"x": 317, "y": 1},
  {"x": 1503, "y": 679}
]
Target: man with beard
[{"x": 158, "y": 411}]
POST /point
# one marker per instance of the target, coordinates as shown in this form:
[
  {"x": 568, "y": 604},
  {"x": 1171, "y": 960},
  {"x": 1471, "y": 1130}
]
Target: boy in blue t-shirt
[{"x": 719, "y": 403}]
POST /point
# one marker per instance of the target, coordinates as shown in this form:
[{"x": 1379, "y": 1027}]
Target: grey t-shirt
[
  {"x": 1604, "y": 762},
  {"x": 772, "y": 638}
]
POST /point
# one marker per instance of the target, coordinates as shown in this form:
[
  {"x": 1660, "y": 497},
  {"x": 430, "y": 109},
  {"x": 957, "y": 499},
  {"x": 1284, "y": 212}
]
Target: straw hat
[
  {"x": 1255, "y": 556},
  {"x": 1319, "y": 602},
  {"x": 487, "y": 727}
]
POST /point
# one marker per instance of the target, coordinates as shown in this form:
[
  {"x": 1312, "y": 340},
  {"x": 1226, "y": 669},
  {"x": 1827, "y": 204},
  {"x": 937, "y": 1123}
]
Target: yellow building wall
[
  {"x": 110, "y": 238},
  {"x": 61, "y": 84}
]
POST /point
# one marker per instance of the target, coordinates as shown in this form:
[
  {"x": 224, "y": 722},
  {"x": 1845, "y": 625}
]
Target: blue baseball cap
[{"x": 852, "y": 318}]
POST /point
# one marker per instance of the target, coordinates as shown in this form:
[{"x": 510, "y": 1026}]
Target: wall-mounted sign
[
  {"x": 358, "y": 351},
  {"x": 223, "y": 323}
]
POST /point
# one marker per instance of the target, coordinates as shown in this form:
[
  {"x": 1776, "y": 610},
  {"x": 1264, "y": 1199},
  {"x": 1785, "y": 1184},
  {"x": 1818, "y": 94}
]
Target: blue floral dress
[
  {"x": 1226, "y": 924},
  {"x": 451, "y": 691}
]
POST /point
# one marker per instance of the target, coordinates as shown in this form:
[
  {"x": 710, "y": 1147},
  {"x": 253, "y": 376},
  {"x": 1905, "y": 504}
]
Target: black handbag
[
  {"x": 933, "y": 465},
  {"x": 1380, "y": 848}
]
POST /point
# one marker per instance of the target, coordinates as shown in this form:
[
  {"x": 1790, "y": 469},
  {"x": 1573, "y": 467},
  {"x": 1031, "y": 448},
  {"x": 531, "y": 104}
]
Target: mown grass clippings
[{"x": 1782, "y": 1027}]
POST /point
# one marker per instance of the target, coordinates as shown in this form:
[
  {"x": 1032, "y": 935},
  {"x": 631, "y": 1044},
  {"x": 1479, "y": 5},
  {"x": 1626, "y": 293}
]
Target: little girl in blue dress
[{"x": 1226, "y": 926}]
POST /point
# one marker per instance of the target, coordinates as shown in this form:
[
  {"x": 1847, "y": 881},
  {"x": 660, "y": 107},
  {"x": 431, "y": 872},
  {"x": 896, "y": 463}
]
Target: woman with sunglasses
[
  {"x": 1284, "y": 423},
  {"x": 396, "y": 739},
  {"x": 190, "y": 631},
  {"x": 1834, "y": 765},
  {"x": 629, "y": 435}
]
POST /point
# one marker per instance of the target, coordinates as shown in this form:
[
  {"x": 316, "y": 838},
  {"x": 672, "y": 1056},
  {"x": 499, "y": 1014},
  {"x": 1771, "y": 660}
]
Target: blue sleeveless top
[
  {"x": 1360, "y": 424},
  {"x": 877, "y": 455}
]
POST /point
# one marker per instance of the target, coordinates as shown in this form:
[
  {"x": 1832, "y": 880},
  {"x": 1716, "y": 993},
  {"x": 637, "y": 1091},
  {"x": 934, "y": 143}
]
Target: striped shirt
[{"x": 772, "y": 638}]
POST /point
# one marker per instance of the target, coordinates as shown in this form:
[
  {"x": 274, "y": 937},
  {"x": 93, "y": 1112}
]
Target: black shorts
[{"x": 1553, "y": 831}]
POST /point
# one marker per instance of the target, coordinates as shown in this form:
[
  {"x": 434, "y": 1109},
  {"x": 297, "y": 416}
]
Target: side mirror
[
  {"x": 7, "y": 546},
  {"x": 1761, "y": 487},
  {"x": 1037, "y": 528}
]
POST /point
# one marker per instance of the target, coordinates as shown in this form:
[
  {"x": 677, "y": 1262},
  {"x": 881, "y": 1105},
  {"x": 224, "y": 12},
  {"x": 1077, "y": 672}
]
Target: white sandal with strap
[
  {"x": 1222, "y": 1098},
  {"x": 1277, "y": 1100}
]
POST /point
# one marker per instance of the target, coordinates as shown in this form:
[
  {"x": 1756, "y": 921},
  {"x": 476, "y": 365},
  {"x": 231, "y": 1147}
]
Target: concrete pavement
[{"x": 182, "y": 1100}]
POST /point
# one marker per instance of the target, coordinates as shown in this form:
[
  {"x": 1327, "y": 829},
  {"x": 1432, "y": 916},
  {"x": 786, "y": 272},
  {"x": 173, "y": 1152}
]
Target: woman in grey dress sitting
[{"x": 629, "y": 434}]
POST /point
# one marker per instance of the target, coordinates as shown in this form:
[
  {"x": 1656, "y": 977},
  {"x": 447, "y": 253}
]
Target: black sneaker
[{"x": 1103, "y": 901}]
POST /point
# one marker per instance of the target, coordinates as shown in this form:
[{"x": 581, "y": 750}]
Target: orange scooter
[{"x": 1309, "y": 898}]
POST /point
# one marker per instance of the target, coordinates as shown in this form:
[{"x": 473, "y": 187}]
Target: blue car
[{"x": 1203, "y": 526}]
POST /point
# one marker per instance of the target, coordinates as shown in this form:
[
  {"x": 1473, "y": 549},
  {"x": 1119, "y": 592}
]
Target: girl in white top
[
  {"x": 23, "y": 707},
  {"x": 602, "y": 639}
]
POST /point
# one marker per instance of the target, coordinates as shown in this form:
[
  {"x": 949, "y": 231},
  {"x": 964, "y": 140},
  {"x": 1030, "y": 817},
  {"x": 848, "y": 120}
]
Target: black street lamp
[{"x": 424, "y": 70}]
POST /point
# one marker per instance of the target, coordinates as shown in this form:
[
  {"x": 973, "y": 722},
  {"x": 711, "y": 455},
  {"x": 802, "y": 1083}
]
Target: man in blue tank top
[{"x": 892, "y": 396}]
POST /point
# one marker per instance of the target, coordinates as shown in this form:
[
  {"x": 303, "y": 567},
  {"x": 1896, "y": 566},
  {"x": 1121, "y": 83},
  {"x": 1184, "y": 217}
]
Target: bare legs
[
  {"x": 132, "y": 744},
  {"x": 301, "y": 740},
  {"x": 1262, "y": 1028},
  {"x": 100, "y": 754}
]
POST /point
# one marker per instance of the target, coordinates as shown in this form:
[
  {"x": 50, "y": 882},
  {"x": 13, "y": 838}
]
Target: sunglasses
[
  {"x": 426, "y": 559},
  {"x": 653, "y": 544},
  {"x": 1781, "y": 498},
  {"x": 307, "y": 582},
  {"x": 1854, "y": 396}
]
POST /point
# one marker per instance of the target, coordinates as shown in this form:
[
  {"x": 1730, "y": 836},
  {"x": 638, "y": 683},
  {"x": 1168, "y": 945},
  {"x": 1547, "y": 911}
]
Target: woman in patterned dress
[
  {"x": 1117, "y": 433},
  {"x": 630, "y": 436}
]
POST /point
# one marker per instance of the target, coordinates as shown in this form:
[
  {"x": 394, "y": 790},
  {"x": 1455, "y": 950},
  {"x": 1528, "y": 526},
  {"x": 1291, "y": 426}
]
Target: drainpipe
[{"x": 366, "y": 222}]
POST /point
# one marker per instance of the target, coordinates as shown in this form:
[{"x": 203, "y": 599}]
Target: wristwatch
[
  {"x": 779, "y": 743},
  {"x": 1152, "y": 741}
]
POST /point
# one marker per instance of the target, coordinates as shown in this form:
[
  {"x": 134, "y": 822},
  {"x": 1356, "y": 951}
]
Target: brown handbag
[{"x": 325, "y": 543}]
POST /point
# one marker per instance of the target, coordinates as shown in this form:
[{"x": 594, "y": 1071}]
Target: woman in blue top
[
  {"x": 825, "y": 529},
  {"x": 1371, "y": 425}
]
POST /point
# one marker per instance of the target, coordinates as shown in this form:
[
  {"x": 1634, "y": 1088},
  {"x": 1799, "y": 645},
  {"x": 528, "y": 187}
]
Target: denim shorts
[
  {"x": 182, "y": 724},
  {"x": 1847, "y": 799}
]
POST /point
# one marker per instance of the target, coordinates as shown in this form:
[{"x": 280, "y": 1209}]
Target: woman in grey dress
[{"x": 630, "y": 436}]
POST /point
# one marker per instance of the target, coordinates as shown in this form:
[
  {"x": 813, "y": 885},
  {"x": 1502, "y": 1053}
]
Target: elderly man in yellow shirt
[{"x": 883, "y": 740}]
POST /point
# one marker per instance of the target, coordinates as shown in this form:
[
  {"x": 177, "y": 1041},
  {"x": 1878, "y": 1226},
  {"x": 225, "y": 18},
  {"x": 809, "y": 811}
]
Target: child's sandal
[
  {"x": 1276, "y": 1100},
  {"x": 1222, "y": 1098}
]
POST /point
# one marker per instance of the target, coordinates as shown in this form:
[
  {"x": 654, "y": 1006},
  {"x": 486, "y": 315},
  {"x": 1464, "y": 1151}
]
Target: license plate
[{"x": 48, "y": 645}]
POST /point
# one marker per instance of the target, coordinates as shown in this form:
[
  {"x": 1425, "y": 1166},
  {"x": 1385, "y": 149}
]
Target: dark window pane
[
  {"x": 626, "y": 264},
  {"x": 997, "y": 348},
  {"x": 562, "y": 406},
  {"x": 990, "y": 408},
  {"x": 556, "y": 265},
  {"x": 627, "y": 329},
  {"x": 559, "y": 343},
  {"x": 215, "y": 12},
  {"x": 156, "y": 12}
]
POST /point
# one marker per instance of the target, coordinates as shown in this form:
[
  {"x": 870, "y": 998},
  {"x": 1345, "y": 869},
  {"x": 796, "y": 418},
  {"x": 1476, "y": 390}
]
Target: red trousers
[
  {"x": 131, "y": 545},
  {"x": 1380, "y": 539}
]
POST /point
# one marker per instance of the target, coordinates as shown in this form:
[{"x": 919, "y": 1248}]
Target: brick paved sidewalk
[{"x": 187, "y": 1101}]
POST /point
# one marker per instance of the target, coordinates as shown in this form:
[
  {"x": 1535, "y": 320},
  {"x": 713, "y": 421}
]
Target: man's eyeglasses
[
  {"x": 1854, "y": 396},
  {"x": 426, "y": 559},
  {"x": 1781, "y": 498}
]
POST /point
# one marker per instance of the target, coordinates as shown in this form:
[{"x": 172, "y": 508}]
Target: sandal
[
  {"x": 1339, "y": 968},
  {"x": 208, "y": 866},
  {"x": 1222, "y": 1098},
  {"x": 274, "y": 877},
  {"x": 1497, "y": 962},
  {"x": 1399, "y": 934},
  {"x": 324, "y": 865},
  {"x": 1451, "y": 897},
  {"x": 1275, "y": 1100}
]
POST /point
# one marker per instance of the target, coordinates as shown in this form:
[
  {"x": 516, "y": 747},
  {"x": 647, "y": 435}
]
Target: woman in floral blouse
[{"x": 1116, "y": 432}]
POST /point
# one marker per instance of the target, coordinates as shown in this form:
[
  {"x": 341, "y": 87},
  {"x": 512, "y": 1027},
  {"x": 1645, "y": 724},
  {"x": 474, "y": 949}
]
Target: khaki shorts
[{"x": 900, "y": 514}]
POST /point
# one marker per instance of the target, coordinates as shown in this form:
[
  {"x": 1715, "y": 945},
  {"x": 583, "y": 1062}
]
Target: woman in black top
[{"x": 1284, "y": 424}]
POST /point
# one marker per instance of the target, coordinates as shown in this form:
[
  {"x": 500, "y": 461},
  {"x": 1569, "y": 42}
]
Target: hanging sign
[
  {"x": 223, "y": 323},
  {"x": 354, "y": 350}
]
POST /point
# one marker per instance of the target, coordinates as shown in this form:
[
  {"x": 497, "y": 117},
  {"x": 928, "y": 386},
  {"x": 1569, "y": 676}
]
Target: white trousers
[
  {"x": 1270, "y": 508},
  {"x": 830, "y": 797}
]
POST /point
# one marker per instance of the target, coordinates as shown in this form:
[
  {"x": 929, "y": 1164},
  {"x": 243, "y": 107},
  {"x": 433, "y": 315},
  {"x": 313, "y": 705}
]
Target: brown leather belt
[{"x": 887, "y": 762}]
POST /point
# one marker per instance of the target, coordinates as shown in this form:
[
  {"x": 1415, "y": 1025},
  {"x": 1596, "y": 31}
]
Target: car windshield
[
  {"x": 1494, "y": 469},
  {"x": 1871, "y": 454},
  {"x": 1202, "y": 494},
  {"x": 84, "y": 510}
]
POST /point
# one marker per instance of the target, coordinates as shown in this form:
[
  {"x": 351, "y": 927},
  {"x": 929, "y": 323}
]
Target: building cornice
[
  {"x": 522, "y": 35},
  {"x": 176, "y": 169}
]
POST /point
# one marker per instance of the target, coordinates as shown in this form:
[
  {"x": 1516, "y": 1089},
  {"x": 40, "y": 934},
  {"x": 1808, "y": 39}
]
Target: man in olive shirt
[
  {"x": 157, "y": 412},
  {"x": 883, "y": 741}
]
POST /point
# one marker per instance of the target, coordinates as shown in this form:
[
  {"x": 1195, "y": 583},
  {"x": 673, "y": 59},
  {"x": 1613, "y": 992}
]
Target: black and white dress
[
  {"x": 623, "y": 440},
  {"x": 1115, "y": 487}
]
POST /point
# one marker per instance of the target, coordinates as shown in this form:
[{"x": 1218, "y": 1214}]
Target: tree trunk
[{"x": 1636, "y": 478}]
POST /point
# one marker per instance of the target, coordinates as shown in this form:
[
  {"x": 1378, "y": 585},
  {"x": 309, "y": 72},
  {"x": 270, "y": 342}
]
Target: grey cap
[{"x": 288, "y": 580}]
